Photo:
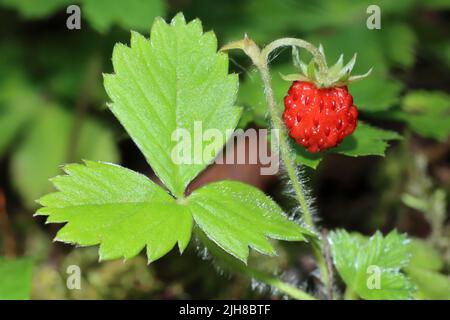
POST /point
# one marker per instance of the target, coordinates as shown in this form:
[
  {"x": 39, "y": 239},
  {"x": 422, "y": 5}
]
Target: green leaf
[
  {"x": 433, "y": 102},
  {"x": 235, "y": 216},
  {"x": 40, "y": 153},
  {"x": 48, "y": 142},
  {"x": 15, "y": 279},
  {"x": 365, "y": 141},
  {"x": 425, "y": 112},
  {"x": 306, "y": 158},
  {"x": 400, "y": 43},
  {"x": 117, "y": 208},
  {"x": 423, "y": 270},
  {"x": 17, "y": 108},
  {"x": 376, "y": 93},
  {"x": 124, "y": 211},
  {"x": 354, "y": 260},
  {"x": 175, "y": 80},
  {"x": 102, "y": 148},
  {"x": 430, "y": 284},
  {"x": 430, "y": 126},
  {"x": 172, "y": 81},
  {"x": 130, "y": 14},
  {"x": 424, "y": 256}
]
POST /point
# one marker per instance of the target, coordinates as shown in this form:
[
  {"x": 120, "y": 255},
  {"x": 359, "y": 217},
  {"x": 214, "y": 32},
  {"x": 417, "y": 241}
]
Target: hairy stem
[
  {"x": 290, "y": 166},
  {"x": 260, "y": 60},
  {"x": 283, "y": 145},
  {"x": 284, "y": 287}
]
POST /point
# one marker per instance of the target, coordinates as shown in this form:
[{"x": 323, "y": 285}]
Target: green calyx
[{"x": 318, "y": 72}]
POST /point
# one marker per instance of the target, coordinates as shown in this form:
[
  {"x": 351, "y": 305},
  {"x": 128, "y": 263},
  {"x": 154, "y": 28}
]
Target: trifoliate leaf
[
  {"x": 130, "y": 14},
  {"x": 49, "y": 142},
  {"x": 365, "y": 141},
  {"x": 117, "y": 208},
  {"x": 175, "y": 80},
  {"x": 124, "y": 211},
  {"x": 372, "y": 269},
  {"x": 237, "y": 216},
  {"x": 15, "y": 279}
]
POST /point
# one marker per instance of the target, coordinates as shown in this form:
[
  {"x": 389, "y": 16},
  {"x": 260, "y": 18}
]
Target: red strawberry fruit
[
  {"x": 319, "y": 118},
  {"x": 319, "y": 111}
]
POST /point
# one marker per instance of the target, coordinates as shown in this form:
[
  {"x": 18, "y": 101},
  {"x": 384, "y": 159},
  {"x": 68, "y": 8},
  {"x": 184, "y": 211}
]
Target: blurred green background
[{"x": 53, "y": 111}]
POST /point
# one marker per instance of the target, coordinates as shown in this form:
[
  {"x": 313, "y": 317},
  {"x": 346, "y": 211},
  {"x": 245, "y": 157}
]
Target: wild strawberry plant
[
  {"x": 175, "y": 78},
  {"x": 170, "y": 81}
]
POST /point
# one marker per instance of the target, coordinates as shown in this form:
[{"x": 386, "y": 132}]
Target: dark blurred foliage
[{"x": 53, "y": 111}]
